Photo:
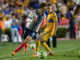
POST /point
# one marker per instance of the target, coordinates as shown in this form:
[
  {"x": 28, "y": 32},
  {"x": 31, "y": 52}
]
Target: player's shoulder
[
  {"x": 50, "y": 14},
  {"x": 54, "y": 14}
]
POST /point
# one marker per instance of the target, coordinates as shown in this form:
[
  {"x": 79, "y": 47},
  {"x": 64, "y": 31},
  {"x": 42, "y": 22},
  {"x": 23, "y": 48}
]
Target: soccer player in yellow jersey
[{"x": 50, "y": 30}]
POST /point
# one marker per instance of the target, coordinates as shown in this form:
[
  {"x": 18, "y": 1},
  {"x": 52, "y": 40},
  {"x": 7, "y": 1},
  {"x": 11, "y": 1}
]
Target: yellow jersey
[{"x": 51, "y": 19}]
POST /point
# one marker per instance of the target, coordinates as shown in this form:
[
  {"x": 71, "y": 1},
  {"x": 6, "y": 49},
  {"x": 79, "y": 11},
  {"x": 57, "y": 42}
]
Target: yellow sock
[
  {"x": 37, "y": 45},
  {"x": 45, "y": 46}
]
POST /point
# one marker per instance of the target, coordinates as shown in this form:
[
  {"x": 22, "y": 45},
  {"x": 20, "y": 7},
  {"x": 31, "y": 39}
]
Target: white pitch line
[
  {"x": 15, "y": 58},
  {"x": 28, "y": 56},
  {"x": 65, "y": 49}
]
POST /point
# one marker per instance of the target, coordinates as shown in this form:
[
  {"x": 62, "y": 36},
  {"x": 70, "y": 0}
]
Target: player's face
[
  {"x": 40, "y": 11},
  {"x": 51, "y": 10}
]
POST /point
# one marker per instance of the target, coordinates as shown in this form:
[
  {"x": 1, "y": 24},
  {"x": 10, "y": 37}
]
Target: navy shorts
[{"x": 28, "y": 32}]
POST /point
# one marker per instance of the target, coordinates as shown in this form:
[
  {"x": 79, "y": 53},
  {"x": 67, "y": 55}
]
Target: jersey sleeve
[{"x": 55, "y": 18}]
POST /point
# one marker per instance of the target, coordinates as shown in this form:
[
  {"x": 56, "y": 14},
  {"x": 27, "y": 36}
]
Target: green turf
[{"x": 66, "y": 50}]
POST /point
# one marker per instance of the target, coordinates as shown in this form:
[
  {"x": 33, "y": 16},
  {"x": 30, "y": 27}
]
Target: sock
[
  {"x": 27, "y": 45},
  {"x": 20, "y": 47},
  {"x": 37, "y": 45},
  {"x": 46, "y": 46}
]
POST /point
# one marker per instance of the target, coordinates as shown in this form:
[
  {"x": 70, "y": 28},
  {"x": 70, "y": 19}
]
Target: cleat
[
  {"x": 26, "y": 48},
  {"x": 13, "y": 53},
  {"x": 51, "y": 54}
]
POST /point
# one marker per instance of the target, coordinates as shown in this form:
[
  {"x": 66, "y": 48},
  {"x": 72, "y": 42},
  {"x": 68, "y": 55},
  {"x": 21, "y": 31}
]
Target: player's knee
[{"x": 28, "y": 38}]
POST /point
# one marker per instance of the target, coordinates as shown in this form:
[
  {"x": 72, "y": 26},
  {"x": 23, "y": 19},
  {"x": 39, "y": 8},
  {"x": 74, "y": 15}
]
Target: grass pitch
[{"x": 66, "y": 50}]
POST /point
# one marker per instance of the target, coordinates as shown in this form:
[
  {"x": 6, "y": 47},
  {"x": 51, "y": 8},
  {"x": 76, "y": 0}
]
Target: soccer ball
[
  {"x": 42, "y": 54},
  {"x": 32, "y": 46}
]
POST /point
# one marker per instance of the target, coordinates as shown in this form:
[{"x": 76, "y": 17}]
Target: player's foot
[
  {"x": 35, "y": 55},
  {"x": 13, "y": 53},
  {"x": 51, "y": 53},
  {"x": 25, "y": 49}
]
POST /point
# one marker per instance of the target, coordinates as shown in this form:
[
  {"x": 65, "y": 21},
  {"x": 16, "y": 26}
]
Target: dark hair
[
  {"x": 13, "y": 14},
  {"x": 42, "y": 5}
]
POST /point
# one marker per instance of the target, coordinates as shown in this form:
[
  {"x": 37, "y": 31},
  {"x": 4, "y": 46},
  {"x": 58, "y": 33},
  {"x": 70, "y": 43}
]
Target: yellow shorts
[{"x": 45, "y": 36}]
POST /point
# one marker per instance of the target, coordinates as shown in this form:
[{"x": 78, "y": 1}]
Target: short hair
[{"x": 42, "y": 5}]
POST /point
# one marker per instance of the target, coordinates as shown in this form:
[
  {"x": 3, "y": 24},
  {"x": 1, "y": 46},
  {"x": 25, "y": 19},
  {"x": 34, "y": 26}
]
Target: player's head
[
  {"x": 42, "y": 8},
  {"x": 47, "y": 9},
  {"x": 40, "y": 11},
  {"x": 53, "y": 6},
  {"x": 51, "y": 10}
]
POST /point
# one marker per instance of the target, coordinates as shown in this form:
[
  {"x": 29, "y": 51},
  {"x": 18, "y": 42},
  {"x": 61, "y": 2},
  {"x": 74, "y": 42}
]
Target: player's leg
[
  {"x": 37, "y": 48},
  {"x": 37, "y": 45},
  {"x": 26, "y": 47},
  {"x": 26, "y": 37},
  {"x": 45, "y": 38},
  {"x": 47, "y": 48},
  {"x": 20, "y": 47},
  {"x": 33, "y": 36}
]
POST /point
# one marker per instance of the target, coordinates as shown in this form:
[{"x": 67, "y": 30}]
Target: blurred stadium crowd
[{"x": 14, "y": 13}]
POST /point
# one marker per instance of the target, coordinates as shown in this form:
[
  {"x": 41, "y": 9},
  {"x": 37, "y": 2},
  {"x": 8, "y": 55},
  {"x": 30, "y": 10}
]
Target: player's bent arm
[
  {"x": 53, "y": 32},
  {"x": 56, "y": 22},
  {"x": 55, "y": 26}
]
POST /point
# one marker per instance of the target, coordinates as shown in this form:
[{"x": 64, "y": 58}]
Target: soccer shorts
[{"x": 28, "y": 32}]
